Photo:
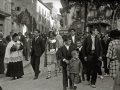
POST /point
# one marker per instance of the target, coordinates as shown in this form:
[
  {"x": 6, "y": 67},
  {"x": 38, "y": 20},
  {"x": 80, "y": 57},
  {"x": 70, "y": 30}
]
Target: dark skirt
[
  {"x": 2, "y": 69},
  {"x": 15, "y": 69}
]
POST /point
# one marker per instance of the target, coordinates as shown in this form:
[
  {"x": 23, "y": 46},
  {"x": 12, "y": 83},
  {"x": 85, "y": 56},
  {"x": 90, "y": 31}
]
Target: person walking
[
  {"x": 59, "y": 44},
  {"x": 92, "y": 52},
  {"x": 2, "y": 54},
  {"x": 9, "y": 37},
  {"x": 21, "y": 37},
  {"x": 107, "y": 40},
  {"x": 100, "y": 63},
  {"x": 111, "y": 53},
  {"x": 117, "y": 79},
  {"x": 75, "y": 69},
  {"x": 14, "y": 57},
  {"x": 27, "y": 46},
  {"x": 37, "y": 50},
  {"x": 79, "y": 50},
  {"x": 51, "y": 53},
  {"x": 65, "y": 56},
  {"x": 73, "y": 37}
]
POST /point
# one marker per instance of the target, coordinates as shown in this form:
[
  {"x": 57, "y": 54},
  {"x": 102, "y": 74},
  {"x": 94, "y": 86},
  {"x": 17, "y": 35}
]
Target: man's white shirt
[{"x": 93, "y": 42}]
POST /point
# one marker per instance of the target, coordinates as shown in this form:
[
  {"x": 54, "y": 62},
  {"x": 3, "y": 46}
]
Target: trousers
[
  {"x": 65, "y": 78},
  {"x": 92, "y": 67},
  {"x": 35, "y": 62}
]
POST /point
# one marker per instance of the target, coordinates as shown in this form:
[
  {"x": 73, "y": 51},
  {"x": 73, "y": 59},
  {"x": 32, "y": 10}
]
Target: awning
[
  {"x": 91, "y": 24},
  {"x": 4, "y": 13}
]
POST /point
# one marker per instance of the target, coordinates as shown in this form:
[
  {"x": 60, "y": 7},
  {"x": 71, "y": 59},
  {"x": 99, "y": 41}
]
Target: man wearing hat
[{"x": 92, "y": 52}]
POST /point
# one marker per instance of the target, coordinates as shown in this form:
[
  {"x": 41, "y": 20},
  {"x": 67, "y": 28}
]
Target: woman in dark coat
[{"x": 2, "y": 54}]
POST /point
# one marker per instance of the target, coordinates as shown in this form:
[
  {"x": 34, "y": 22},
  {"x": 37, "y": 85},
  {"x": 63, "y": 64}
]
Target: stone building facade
[
  {"x": 32, "y": 14},
  {"x": 5, "y": 16}
]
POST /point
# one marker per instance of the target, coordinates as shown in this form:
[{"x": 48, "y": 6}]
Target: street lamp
[{"x": 93, "y": 13}]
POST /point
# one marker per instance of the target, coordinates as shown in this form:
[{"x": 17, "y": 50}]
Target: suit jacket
[
  {"x": 4, "y": 41},
  {"x": 38, "y": 47},
  {"x": 65, "y": 54},
  {"x": 8, "y": 38},
  {"x": 22, "y": 38},
  {"x": 87, "y": 45},
  {"x": 76, "y": 38},
  {"x": 2, "y": 54}
]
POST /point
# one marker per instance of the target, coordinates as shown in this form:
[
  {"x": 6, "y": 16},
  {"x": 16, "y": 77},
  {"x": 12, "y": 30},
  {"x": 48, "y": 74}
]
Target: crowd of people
[{"x": 79, "y": 58}]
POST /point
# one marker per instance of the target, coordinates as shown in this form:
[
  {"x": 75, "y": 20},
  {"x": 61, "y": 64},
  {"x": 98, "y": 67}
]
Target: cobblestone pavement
[{"x": 55, "y": 83}]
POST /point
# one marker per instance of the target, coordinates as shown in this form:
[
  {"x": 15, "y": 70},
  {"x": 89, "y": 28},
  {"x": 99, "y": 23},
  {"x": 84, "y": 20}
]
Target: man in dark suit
[
  {"x": 79, "y": 49},
  {"x": 21, "y": 37},
  {"x": 65, "y": 56},
  {"x": 73, "y": 37},
  {"x": 92, "y": 52},
  {"x": 9, "y": 37},
  {"x": 37, "y": 50}
]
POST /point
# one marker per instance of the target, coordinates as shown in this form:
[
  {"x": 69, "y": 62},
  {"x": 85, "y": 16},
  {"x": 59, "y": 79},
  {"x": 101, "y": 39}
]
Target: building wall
[
  {"x": 5, "y": 19},
  {"x": 37, "y": 10},
  {"x": 43, "y": 17},
  {"x": 53, "y": 16}
]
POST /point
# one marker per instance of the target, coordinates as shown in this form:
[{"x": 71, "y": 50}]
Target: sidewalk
[{"x": 27, "y": 63}]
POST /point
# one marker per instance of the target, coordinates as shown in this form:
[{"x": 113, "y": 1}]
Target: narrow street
[{"x": 55, "y": 83}]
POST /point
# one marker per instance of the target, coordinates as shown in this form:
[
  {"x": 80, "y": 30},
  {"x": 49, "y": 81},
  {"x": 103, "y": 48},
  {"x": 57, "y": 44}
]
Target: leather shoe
[
  {"x": 35, "y": 78},
  {"x": 13, "y": 78},
  {"x": 19, "y": 77}
]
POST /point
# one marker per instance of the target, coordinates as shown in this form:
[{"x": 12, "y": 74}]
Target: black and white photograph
[{"x": 59, "y": 44}]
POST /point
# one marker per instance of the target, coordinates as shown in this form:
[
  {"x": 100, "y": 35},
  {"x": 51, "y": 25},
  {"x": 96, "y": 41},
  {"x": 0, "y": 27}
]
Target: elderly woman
[
  {"x": 111, "y": 53},
  {"x": 14, "y": 57},
  {"x": 117, "y": 79}
]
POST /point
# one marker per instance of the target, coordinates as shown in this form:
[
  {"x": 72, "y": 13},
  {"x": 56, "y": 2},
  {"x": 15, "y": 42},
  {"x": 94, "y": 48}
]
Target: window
[
  {"x": 18, "y": 8},
  {"x": 77, "y": 14},
  {"x": 42, "y": 11},
  {"x": 39, "y": 9}
]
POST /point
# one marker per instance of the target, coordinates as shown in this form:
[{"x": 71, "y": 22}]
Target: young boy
[
  {"x": 79, "y": 49},
  {"x": 75, "y": 69}
]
